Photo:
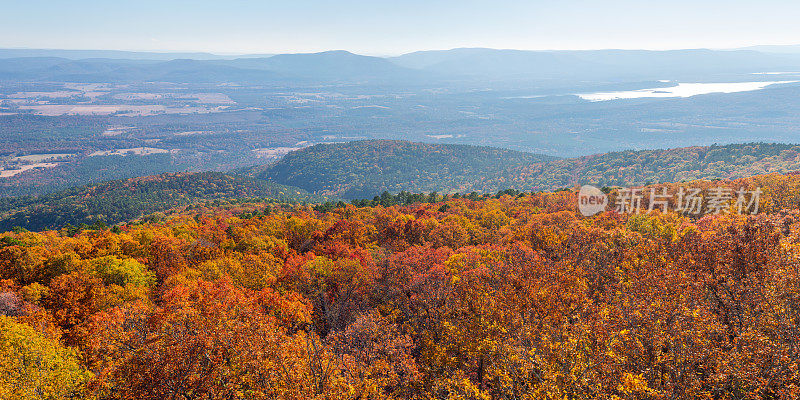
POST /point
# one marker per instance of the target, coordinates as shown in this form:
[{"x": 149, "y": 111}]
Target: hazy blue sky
[{"x": 390, "y": 27}]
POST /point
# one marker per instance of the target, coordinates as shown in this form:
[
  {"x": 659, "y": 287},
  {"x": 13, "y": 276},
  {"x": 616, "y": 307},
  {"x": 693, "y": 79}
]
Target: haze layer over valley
[{"x": 73, "y": 117}]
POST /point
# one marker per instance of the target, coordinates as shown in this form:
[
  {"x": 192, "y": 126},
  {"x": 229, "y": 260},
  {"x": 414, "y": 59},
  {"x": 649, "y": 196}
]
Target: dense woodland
[
  {"x": 514, "y": 296},
  {"x": 361, "y": 170},
  {"x": 630, "y": 168},
  {"x": 366, "y": 168},
  {"x": 123, "y": 200},
  {"x": 88, "y": 170}
]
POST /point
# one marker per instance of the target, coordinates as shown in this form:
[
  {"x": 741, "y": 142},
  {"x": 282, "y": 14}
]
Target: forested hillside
[
  {"x": 629, "y": 168},
  {"x": 366, "y": 168},
  {"x": 123, "y": 200},
  {"x": 486, "y": 298},
  {"x": 90, "y": 170},
  {"x": 363, "y": 169}
]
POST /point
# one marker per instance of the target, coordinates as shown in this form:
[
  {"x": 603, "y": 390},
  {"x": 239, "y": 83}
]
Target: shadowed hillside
[
  {"x": 123, "y": 200},
  {"x": 628, "y": 168},
  {"x": 364, "y": 168}
]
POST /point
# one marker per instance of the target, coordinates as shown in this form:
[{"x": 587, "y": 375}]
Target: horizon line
[{"x": 384, "y": 55}]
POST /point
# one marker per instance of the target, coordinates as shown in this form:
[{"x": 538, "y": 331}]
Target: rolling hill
[
  {"x": 631, "y": 168},
  {"x": 365, "y": 168},
  {"x": 123, "y": 200},
  {"x": 362, "y": 169}
]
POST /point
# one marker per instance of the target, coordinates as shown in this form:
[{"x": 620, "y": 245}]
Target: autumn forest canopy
[
  {"x": 422, "y": 200},
  {"x": 509, "y": 296}
]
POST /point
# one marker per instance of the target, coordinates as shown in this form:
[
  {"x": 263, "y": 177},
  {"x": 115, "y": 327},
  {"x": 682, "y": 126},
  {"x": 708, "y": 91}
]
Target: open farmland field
[{"x": 53, "y": 110}]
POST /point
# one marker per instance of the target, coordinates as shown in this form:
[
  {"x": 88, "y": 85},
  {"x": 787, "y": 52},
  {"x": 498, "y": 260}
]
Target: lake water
[{"x": 680, "y": 90}]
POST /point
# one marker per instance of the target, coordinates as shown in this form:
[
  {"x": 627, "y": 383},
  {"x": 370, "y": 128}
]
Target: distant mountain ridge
[
  {"x": 594, "y": 63},
  {"x": 110, "y": 54},
  {"x": 339, "y": 65},
  {"x": 775, "y": 48},
  {"x": 325, "y": 66},
  {"x": 328, "y": 64}
]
